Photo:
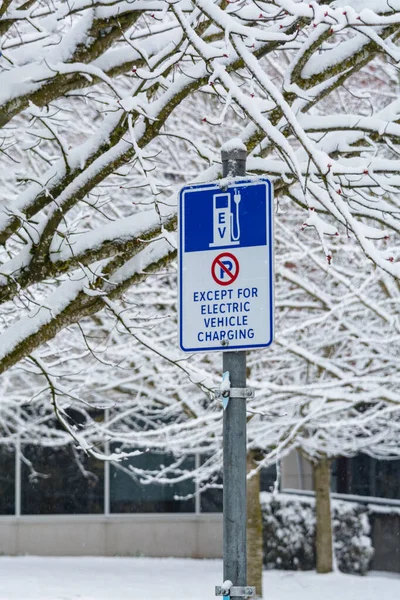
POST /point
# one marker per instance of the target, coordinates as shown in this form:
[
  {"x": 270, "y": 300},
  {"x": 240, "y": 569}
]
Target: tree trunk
[
  {"x": 254, "y": 527},
  {"x": 323, "y": 542}
]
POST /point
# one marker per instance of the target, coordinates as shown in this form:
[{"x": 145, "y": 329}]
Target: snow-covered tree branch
[{"x": 107, "y": 107}]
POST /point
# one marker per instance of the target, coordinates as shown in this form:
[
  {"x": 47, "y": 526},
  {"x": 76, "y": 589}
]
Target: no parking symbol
[{"x": 225, "y": 268}]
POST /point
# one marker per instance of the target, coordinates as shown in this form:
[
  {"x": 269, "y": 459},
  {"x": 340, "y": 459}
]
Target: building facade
[{"x": 57, "y": 502}]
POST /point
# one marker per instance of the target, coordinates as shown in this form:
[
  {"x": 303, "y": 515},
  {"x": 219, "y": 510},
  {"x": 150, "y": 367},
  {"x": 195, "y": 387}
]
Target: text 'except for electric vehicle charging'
[{"x": 232, "y": 307}]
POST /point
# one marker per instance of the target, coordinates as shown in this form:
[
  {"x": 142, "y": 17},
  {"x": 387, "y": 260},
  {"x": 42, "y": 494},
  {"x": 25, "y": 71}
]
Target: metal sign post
[
  {"x": 226, "y": 303},
  {"x": 234, "y": 439}
]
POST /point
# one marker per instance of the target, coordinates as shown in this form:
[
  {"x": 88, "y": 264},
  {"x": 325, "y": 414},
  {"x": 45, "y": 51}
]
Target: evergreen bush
[{"x": 289, "y": 533}]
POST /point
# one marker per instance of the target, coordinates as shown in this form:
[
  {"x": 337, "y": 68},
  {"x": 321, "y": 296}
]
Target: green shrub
[{"x": 289, "y": 533}]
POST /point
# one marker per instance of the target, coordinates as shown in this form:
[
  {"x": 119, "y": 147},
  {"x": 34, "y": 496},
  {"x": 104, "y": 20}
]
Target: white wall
[{"x": 180, "y": 535}]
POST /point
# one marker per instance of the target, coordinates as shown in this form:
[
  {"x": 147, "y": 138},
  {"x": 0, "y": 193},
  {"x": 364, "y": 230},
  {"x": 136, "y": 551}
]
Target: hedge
[{"x": 289, "y": 533}]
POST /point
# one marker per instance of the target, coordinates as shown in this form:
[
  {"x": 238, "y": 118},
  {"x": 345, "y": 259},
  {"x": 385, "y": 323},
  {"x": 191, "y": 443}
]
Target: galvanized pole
[{"x": 234, "y": 437}]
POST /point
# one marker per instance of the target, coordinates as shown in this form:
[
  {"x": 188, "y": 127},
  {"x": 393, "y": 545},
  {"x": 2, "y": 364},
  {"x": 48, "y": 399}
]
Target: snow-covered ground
[{"x": 35, "y": 578}]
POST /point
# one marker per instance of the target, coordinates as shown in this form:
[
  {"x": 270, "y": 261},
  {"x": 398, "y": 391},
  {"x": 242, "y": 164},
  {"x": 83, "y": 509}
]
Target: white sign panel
[{"x": 226, "y": 266}]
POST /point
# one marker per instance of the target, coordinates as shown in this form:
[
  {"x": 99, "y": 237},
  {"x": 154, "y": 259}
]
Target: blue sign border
[{"x": 269, "y": 246}]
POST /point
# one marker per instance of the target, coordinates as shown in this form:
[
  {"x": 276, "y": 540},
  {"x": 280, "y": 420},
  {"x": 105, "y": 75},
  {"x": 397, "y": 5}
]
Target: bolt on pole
[{"x": 234, "y": 437}]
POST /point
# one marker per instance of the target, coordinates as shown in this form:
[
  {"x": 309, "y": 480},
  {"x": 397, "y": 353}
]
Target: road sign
[{"x": 226, "y": 266}]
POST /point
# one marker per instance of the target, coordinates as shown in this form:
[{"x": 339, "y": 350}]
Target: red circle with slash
[{"x": 225, "y": 268}]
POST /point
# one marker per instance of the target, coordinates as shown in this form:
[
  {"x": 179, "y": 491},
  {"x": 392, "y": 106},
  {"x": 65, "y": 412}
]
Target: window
[
  {"x": 361, "y": 480},
  {"x": 366, "y": 476},
  {"x": 60, "y": 481},
  {"x": 387, "y": 474},
  {"x": 211, "y": 500},
  {"x": 7, "y": 480},
  {"x": 268, "y": 478},
  {"x": 130, "y": 495}
]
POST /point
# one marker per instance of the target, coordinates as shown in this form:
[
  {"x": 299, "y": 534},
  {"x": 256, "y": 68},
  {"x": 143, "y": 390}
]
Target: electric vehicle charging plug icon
[
  {"x": 224, "y": 221},
  {"x": 236, "y": 199}
]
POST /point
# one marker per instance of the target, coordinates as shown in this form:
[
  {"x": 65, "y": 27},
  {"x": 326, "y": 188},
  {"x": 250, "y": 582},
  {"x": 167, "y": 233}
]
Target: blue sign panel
[
  {"x": 235, "y": 217},
  {"x": 225, "y": 266}
]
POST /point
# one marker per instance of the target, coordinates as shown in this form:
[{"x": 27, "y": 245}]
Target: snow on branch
[{"x": 106, "y": 109}]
